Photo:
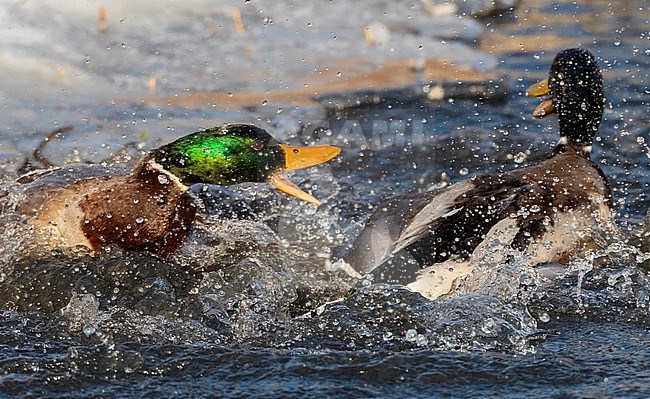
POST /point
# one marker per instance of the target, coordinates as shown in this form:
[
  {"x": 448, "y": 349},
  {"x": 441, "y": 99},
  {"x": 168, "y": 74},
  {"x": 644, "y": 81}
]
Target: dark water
[
  {"x": 560, "y": 369},
  {"x": 237, "y": 312}
]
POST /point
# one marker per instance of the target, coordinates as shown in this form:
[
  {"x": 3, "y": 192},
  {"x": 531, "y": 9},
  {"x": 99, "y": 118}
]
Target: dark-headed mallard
[
  {"x": 547, "y": 211},
  {"x": 151, "y": 209}
]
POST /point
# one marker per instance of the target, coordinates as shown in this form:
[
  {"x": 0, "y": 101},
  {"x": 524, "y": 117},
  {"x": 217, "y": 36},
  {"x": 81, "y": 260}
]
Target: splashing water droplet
[
  {"x": 89, "y": 330},
  {"x": 162, "y": 179},
  {"x": 411, "y": 335},
  {"x": 520, "y": 157},
  {"x": 544, "y": 317},
  {"x": 311, "y": 209},
  {"x": 72, "y": 353},
  {"x": 489, "y": 326},
  {"x": 264, "y": 193}
]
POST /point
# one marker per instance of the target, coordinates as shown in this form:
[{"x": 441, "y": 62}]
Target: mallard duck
[
  {"x": 546, "y": 211},
  {"x": 151, "y": 209}
]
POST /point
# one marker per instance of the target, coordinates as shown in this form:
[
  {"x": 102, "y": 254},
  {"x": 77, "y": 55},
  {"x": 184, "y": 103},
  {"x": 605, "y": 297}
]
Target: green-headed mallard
[
  {"x": 547, "y": 211},
  {"x": 151, "y": 209}
]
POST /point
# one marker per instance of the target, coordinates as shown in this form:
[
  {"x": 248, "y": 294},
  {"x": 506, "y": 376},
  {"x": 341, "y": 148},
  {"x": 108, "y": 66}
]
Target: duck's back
[
  {"x": 546, "y": 210},
  {"x": 96, "y": 206},
  {"x": 49, "y": 197}
]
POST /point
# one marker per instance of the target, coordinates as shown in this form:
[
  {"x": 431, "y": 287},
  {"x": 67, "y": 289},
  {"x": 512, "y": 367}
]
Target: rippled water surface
[{"x": 255, "y": 303}]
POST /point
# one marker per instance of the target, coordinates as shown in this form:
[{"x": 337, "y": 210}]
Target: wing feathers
[{"x": 446, "y": 222}]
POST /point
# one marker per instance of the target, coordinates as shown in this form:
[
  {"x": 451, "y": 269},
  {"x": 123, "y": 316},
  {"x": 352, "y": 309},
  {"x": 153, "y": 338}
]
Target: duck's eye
[{"x": 257, "y": 145}]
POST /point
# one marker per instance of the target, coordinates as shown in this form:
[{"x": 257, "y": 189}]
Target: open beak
[
  {"x": 541, "y": 89},
  {"x": 299, "y": 158}
]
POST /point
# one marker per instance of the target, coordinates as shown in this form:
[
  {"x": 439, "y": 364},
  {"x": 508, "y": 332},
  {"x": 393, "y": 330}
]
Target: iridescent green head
[
  {"x": 238, "y": 153},
  {"x": 224, "y": 155}
]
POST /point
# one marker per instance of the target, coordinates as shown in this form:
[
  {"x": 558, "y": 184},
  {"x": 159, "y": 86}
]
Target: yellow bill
[
  {"x": 299, "y": 158},
  {"x": 283, "y": 184},
  {"x": 304, "y": 157},
  {"x": 540, "y": 89}
]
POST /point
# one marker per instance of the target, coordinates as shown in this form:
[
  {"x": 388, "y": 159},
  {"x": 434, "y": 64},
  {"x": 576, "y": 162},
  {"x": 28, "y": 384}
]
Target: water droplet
[
  {"x": 89, "y": 330},
  {"x": 128, "y": 370},
  {"x": 72, "y": 353},
  {"x": 464, "y": 171},
  {"x": 109, "y": 216},
  {"x": 339, "y": 74},
  {"x": 264, "y": 192},
  {"x": 421, "y": 340},
  {"x": 411, "y": 334},
  {"x": 544, "y": 317},
  {"x": 489, "y": 326},
  {"x": 311, "y": 209},
  {"x": 136, "y": 201},
  {"x": 520, "y": 157},
  {"x": 640, "y": 140},
  {"x": 162, "y": 179},
  {"x": 535, "y": 208},
  {"x": 139, "y": 220}
]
